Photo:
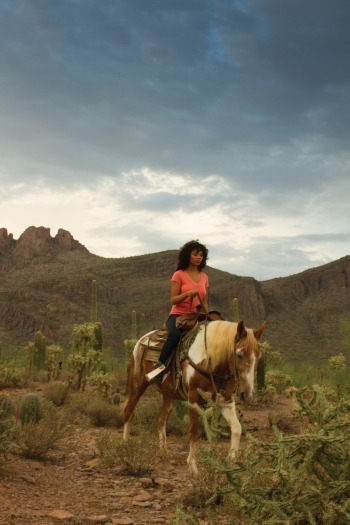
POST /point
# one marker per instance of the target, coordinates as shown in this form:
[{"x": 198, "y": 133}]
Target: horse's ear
[
  {"x": 259, "y": 332},
  {"x": 241, "y": 331}
]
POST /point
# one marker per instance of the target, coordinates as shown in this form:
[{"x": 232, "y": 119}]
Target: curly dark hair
[{"x": 185, "y": 254}]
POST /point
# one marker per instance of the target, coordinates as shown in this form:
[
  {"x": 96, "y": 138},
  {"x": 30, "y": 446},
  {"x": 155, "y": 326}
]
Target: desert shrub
[
  {"x": 10, "y": 375},
  {"x": 135, "y": 456},
  {"x": 8, "y": 427},
  {"x": 205, "y": 487},
  {"x": 146, "y": 415},
  {"x": 36, "y": 438},
  {"x": 7, "y": 408},
  {"x": 57, "y": 393},
  {"x": 8, "y": 431},
  {"x": 278, "y": 380},
  {"x": 178, "y": 421},
  {"x": 103, "y": 414},
  {"x": 75, "y": 409}
]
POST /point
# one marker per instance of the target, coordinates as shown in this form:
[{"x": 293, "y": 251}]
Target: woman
[{"x": 187, "y": 283}]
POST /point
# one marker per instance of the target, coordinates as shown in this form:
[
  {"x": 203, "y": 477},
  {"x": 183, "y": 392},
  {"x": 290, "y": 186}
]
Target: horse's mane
[{"x": 217, "y": 342}]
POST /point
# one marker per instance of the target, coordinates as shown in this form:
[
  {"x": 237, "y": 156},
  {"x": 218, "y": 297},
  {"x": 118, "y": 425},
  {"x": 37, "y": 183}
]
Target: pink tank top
[{"x": 186, "y": 284}]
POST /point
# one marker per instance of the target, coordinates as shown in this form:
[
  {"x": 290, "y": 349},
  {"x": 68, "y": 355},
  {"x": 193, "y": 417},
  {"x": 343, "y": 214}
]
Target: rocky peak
[
  {"x": 6, "y": 240},
  {"x": 36, "y": 242},
  {"x": 65, "y": 241}
]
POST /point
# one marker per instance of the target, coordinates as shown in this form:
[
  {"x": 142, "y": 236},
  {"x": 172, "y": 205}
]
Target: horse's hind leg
[
  {"x": 137, "y": 386},
  {"x": 167, "y": 407}
]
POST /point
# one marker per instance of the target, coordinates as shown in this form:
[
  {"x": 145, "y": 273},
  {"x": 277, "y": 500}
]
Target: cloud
[{"x": 136, "y": 124}]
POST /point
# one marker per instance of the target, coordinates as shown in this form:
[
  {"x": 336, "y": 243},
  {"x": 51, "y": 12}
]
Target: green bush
[
  {"x": 57, "y": 393},
  {"x": 103, "y": 414},
  {"x": 36, "y": 438}
]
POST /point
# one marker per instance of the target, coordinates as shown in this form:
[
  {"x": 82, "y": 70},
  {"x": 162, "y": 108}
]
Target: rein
[{"x": 221, "y": 380}]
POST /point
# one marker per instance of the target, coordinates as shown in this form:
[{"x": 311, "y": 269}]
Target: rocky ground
[{"x": 71, "y": 487}]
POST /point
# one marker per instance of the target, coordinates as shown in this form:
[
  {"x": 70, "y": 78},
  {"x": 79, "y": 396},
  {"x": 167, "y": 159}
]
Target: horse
[{"x": 222, "y": 357}]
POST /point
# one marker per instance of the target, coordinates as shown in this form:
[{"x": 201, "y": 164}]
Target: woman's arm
[{"x": 176, "y": 297}]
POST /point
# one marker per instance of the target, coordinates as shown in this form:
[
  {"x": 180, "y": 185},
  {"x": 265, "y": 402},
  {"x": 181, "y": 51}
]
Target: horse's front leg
[
  {"x": 229, "y": 413},
  {"x": 168, "y": 405},
  {"x": 194, "y": 433}
]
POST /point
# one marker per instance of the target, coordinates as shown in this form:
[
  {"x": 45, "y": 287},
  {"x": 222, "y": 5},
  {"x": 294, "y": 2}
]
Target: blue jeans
[{"x": 174, "y": 336}]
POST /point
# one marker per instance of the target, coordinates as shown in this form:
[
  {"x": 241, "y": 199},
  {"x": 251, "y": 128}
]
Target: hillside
[{"x": 46, "y": 285}]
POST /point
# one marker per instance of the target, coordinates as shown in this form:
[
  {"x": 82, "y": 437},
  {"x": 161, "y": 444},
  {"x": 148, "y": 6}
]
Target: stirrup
[{"x": 155, "y": 373}]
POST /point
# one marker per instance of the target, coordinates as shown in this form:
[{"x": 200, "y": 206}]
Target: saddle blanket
[{"x": 153, "y": 343}]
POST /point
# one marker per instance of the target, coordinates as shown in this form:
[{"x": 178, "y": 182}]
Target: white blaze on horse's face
[{"x": 246, "y": 365}]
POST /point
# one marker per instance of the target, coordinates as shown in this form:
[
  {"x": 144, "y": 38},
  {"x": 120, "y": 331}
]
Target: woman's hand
[{"x": 191, "y": 294}]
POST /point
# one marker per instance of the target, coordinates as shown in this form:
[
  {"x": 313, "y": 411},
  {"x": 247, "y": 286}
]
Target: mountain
[{"x": 46, "y": 285}]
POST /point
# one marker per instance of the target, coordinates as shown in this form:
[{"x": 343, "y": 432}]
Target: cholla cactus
[
  {"x": 337, "y": 362},
  {"x": 53, "y": 356},
  {"x": 84, "y": 358}
]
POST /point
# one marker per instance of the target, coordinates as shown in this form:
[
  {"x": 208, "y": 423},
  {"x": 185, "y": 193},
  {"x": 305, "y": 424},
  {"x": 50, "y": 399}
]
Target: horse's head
[{"x": 247, "y": 354}]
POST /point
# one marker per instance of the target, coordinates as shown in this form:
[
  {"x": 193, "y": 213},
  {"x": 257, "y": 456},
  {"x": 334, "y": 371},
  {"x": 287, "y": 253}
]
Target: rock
[
  {"x": 93, "y": 463},
  {"x": 165, "y": 483},
  {"x": 142, "y": 497},
  {"x": 61, "y": 515},
  {"x": 123, "y": 521},
  {"x": 142, "y": 504},
  {"x": 103, "y": 518}
]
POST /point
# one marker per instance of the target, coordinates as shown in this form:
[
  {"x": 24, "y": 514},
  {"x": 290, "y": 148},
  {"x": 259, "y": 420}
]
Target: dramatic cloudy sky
[{"x": 140, "y": 124}]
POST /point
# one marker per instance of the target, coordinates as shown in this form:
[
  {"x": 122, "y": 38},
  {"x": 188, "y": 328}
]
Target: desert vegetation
[{"x": 287, "y": 473}]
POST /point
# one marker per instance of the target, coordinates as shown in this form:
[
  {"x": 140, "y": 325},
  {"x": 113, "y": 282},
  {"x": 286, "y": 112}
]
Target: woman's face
[{"x": 196, "y": 257}]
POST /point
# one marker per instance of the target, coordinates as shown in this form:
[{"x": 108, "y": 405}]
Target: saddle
[{"x": 154, "y": 342}]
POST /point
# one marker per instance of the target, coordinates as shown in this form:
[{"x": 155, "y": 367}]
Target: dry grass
[{"x": 135, "y": 457}]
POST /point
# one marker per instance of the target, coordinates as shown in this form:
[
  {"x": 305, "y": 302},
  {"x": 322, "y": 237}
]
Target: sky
[{"x": 138, "y": 125}]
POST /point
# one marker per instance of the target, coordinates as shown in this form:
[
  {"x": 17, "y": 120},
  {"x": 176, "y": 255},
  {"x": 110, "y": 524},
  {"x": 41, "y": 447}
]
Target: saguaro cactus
[
  {"x": 142, "y": 324},
  {"x": 39, "y": 354},
  {"x": 98, "y": 336},
  {"x": 94, "y": 301},
  {"x": 133, "y": 325},
  {"x": 235, "y": 310}
]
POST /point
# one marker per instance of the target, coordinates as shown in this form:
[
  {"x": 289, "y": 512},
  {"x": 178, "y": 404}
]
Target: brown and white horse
[{"x": 222, "y": 355}]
